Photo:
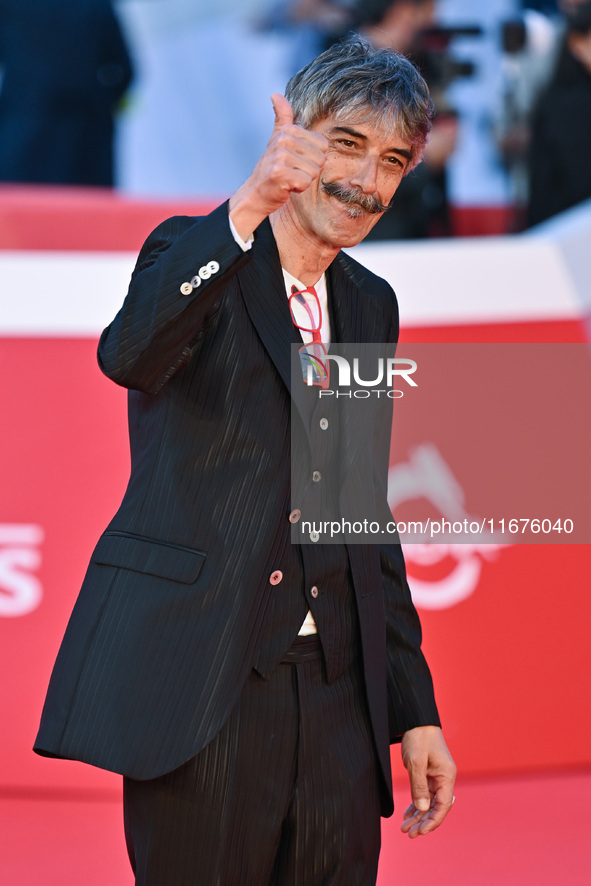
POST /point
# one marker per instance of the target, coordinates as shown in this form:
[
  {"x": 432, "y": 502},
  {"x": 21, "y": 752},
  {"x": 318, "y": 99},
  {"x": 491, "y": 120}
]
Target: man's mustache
[{"x": 353, "y": 196}]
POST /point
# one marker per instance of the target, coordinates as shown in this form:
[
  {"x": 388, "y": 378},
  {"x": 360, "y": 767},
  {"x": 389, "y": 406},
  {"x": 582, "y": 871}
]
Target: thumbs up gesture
[
  {"x": 293, "y": 159},
  {"x": 283, "y": 111}
]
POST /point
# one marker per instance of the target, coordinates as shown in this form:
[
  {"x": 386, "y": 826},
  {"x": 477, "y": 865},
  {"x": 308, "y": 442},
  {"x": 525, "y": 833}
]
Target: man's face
[{"x": 364, "y": 163}]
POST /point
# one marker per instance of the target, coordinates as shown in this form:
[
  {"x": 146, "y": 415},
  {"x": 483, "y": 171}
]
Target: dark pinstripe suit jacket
[{"x": 164, "y": 632}]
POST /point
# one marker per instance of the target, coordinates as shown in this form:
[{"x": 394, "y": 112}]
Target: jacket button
[
  {"x": 186, "y": 289},
  {"x": 195, "y": 282},
  {"x": 276, "y": 577},
  {"x": 295, "y": 515},
  {"x": 213, "y": 267},
  {"x": 314, "y": 591},
  {"x": 204, "y": 273}
]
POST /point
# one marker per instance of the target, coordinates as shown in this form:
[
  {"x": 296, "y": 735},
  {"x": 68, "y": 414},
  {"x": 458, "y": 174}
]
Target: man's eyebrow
[{"x": 350, "y": 131}]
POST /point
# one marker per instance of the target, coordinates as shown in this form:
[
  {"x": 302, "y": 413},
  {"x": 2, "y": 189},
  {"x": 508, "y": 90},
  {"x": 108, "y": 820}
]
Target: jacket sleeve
[
  {"x": 153, "y": 334},
  {"x": 411, "y": 699}
]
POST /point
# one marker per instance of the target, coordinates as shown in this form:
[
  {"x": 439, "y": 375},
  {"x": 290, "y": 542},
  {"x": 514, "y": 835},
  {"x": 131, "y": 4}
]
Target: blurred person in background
[
  {"x": 395, "y": 24},
  {"x": 421, "y": 208},
  {"x": 529, "y": 47},
  {"x": 569, "y": 7},
  {"x": 532, "y": 44},
  {"x": 559, "y": 168},
  {"x": 309, "y": 26},
  {"x": 65, "y": 68}
]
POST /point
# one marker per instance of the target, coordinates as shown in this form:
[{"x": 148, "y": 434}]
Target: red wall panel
[{"x": 510, "y": 659}]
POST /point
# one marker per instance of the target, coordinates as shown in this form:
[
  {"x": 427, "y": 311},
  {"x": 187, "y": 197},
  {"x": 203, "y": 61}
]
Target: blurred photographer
[
  {"x": 421, "y": 208},
  {"x": 559, "y": 169},
  {"x": 66, "y": 68}
]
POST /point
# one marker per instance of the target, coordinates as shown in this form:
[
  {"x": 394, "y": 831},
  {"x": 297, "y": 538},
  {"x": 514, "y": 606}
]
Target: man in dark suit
[{"x": 248, "y": 687}]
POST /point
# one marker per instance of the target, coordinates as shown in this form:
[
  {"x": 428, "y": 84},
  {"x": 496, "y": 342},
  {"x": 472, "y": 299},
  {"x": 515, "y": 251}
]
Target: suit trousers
[{"x": 286, "y": 794}]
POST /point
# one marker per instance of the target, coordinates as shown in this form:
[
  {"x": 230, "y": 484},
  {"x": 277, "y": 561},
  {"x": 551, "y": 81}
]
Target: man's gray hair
[{"x": 380, "y": 86}]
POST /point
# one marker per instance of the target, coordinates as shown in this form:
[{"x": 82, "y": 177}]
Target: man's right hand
[{"x": 293, "y": 159}]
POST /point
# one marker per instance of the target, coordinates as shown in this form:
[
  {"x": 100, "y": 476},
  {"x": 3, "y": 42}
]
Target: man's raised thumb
[{"x": 283, "y": 110}]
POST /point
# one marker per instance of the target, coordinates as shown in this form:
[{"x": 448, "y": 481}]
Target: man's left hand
[{"x": 432, "y": 774}]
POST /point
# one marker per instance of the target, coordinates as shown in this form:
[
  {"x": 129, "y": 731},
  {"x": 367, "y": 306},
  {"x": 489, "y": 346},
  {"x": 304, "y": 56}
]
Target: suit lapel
[
  {"x": 262, "y": 285},
  {"x": 263, "y": 290},
  {"x": 359, "y": 313},
  {"x": 359, "y": 321},
  {"x": 346, "y": 304},
  {"x": 352, "y": 313},
  {"x": 348, "y": 327},
  {"x": 354, "y": 318}
]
